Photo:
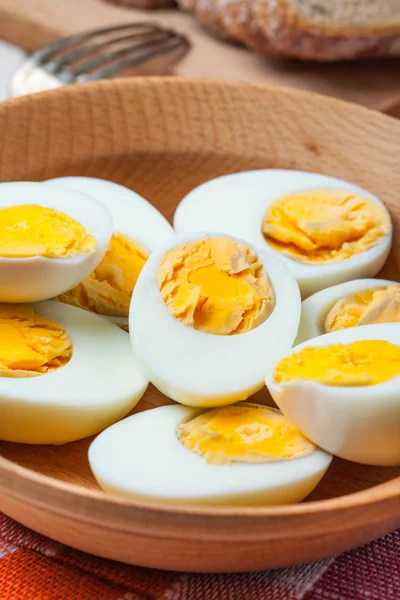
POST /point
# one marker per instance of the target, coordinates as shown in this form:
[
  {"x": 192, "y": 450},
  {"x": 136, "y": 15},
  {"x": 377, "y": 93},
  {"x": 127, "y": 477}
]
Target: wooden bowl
[{"x": 163, "y": 137}]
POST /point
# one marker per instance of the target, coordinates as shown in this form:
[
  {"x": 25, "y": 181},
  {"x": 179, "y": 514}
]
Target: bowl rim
[
  {"x": 18, "y": 475},
  {"x": 382, "y": 492}
]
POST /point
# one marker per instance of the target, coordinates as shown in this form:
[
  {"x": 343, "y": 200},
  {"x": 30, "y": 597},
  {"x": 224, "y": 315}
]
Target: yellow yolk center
[
  {"x": 30, "y": 344},
  {"x": 215, "y": 285},
  {"x": 324, "y": 225},
  {"x": 32, "y": 230},
  {"x": 108, "y": 290},
  {"x": 359, "y": 363},
  {"x": 243, "y": 433},
  {"x": 379, "y": 305}
]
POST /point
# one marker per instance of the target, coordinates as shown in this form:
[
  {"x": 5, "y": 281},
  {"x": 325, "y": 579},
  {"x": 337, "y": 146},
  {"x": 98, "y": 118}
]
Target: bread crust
[
  {"x": 273, "y": 27},
  {"x": 207, "y": 11},
  {"x": 231, "y": 20},
  {"x": 292, "y": 36}
]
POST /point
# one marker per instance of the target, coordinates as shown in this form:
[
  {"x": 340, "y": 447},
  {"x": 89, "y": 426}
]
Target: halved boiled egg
[
  {"x": 50, "y": 239},
  {"x": 139, "y": 228},
  {"x": 245, "y": 454},
  {"x": 342, "y": 390},
  {"x": 324, "y": 229},
  {"x": 350, "y": 304},
  {"x": 207, "y": 316},
  {"x": 64, "y": 373}
]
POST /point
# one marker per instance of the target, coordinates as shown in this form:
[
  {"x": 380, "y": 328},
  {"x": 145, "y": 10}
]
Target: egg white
[
  {"x": 172, "y": 474},
  {"x": 39, "y": 277},
  {"x": 236, "y": 205},
  {"x": 132, "y": 215},
  {"x": 99, "y": 385},
  {"x": 315, "y": 309},
  {"x": 359, "y": 423},
  {"x": 201, "y": 369}
]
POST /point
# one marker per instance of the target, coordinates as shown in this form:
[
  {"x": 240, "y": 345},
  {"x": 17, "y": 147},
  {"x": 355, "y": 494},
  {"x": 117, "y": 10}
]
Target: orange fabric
[
  {"x": 33, "y": 567},
  {"x": 26, "y": 574}
]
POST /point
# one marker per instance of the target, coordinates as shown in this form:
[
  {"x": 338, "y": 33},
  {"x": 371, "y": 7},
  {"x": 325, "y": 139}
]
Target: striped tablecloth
[{"x": 33, "y": 567}]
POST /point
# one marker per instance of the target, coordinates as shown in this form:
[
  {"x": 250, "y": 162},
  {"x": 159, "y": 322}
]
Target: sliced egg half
[
  {"x": 50, "y": 239},
  {"x": 342, "y": 390},
  {"x": 262, "y": 459},
  {"x": 139, "y": 228},
  {"x": 325, "y": 230},
  {"x": 65, "y": 373},
  {"x": 350, "y": 304},
  {"x": 207, "y": 316}
]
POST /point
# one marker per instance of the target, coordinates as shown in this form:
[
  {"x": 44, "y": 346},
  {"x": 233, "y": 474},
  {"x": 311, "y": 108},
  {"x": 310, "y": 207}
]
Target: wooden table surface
[{"x": 376, "y": 84}]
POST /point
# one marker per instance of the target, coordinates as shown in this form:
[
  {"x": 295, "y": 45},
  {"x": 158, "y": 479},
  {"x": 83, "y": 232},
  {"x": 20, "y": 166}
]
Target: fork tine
[
  {"x": 102, "y": 60},
  {"x": 68, "y": 58},
  {"x": 140, "y": 54},
  {"x": 70, "y": 72},
  {"x": 45, "y": 54}
]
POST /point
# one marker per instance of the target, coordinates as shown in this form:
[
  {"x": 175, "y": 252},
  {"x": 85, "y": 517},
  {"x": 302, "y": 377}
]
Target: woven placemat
[{"x": 33, "y": 567}]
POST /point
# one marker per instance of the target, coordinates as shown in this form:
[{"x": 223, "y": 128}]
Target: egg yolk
[
  {"x": 247, "y": 433},
  {"x": 215, "y": 285},
  {"x": 32, "y": 230},
  {"x": 108, "y": 290},
  {"x": 379, "y": 305},
  {"x": 30, "y": 344},
  {"x": 317, "y": 226},
  {"x": 365, "y": 362}
]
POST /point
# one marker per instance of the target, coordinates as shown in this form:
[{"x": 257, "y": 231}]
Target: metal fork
[{"x": 138, "y": 48}]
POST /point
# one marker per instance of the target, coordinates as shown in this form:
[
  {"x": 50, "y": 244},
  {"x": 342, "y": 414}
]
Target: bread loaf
[
  {"x": 329, "y": 30},
  {"x": 229, "y": 19},
  {"x": 322, "y": 30}
]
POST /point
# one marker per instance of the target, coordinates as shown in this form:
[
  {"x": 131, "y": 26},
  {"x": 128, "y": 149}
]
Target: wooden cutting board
[{"x": 32, "y": 23}]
